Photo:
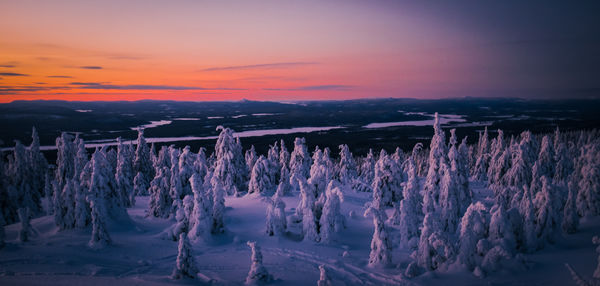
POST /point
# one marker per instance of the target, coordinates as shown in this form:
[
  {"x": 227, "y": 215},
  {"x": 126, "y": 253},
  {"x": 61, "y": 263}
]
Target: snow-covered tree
[
  {"x": 588, "y": 197},
  {"x": 218, "y": 211},
  {"x": 65, "y": 167},
  {"x": 284, "y": 155},
  {"x": 387, "y": 182},
  {"x": 187, "y": 159},
  {"x": 276, "y": 219},
  {"x": 260, "y": 179},
  {"x": 544, "y": 166},
  {"x": 564, "y": 164},
  {"x": 449, "y": 200},
  {"x": 100, "y": 237},
  {"x": 38, "y": 163},
  {"x": 299, "y": 162},
  {"x": 548, "y": 218},
  {"x": 143, "y": 160},
  {"x": 320, "y": 172},
  {"x": 519, "y": 173},
  {"x": 284, "y": 187},
  {"x": 160, "y": 200},
  {"x": 499, "y": 160},
  {"x": 102, "y": 177},
  {"x": 250, "y": 157},
  {"x": 461, "y": 167},
  {"x": 309, "y": 225},
  {"x": 410, "y": 209},
  {"x": 185, "y": 266},
  {"x": 124, "y": 175},
  {"x": 381, "y": 246},
  {"x": 27, "y": 231},
  {"x": 437, "y": 157},
  {"x": 570, "y": 221},
  {"x": 176, "y": 186},
  {"x": 307, "y": 196},
  {"x": 473, "y": 228},
  {"x": 324, "y": 279},
  {"x": 274, "y": 167},
  {"x": 347, "y": 170},
  {"x": 230, "y": 168},
  {"x": 332, "y": 220},
  {"x": 483, "y": 156},
  {"x": 367, "y": 168},
  {"x": 201, "y": 219},
  {"x": 140, "y": 187},
  {"x": 67, "y": 206},
  {"x": 21, "y": 180},
  {"x": 527, "y": 210},
  {"x": 258, "y": 274},
  {"x": 82, "y": 212},
  {"x": 501, "y": 230}
]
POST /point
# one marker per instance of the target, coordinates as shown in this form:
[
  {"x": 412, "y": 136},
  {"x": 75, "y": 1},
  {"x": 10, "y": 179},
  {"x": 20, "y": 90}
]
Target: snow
[
  {"x": 152, "y": 124},
  {"x": 138, "y": 256},
  {"x": 187, "y": 119},
  {"x": 444, "y": 119},
  {"x": 242, "y": 134},
  {"x": 264, "y": 114},
  {"x": 83, "y": 110}
]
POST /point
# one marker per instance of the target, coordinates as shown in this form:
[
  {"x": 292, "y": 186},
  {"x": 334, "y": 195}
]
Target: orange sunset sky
[{"x": 293, "y": 50}]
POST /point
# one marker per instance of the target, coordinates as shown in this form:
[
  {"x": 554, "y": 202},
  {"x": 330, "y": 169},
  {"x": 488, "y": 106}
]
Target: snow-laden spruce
[
  {"x": 200, "y": 221},
  {"x": 140, "y": 185},
  {"x": 185, "y": 265},
  {"x": 258, "y": 274},
  {"x": 473, "y": 228},
  {"x": 260, "y": 177},
  {"x": 27, "y": 231},
  {"x": 410, "y": 209},
  {"x": 230, "y": 168},
  {"x": 381, "y": 246},
  {"x": 124, "y": 174},
  {"x": 481, "y": 165},
  {"x": 332, "y": 220},
  {"x": 143, "y": 161},
  {"x": 276, "y": 219},
  {"x": 160, "y": 200},
  {"x": 346, "y": 168},
  {"x": 387, "y": 182},
  {"x": 299, "y": 163},
  {"x": 437, "y": 157}
]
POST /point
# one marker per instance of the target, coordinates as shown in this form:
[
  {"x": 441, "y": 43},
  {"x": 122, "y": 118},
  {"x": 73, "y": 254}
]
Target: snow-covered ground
[{"x": 138, "y": 256}]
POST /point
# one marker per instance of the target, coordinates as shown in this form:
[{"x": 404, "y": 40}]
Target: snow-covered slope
[{"x": 138, "y": 256}]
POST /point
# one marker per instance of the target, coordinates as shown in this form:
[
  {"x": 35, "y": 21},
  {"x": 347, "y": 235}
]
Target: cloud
[
  {"x": 260, "y": 66},
  {"x": 18, "y": 89},
  {"x": 7, "y": 66},
  {"x": 91, "y": 67},
  {"x": 97, "y": 85},
  {"x": 125, "y": 57},
  {"x": 60, "y": 76},
  {"x": 12, "y": 74},
  {"x": 316, "y": 87}
]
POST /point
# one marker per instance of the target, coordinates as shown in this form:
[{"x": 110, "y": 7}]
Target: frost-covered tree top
[
  {"x": 300, "y": 159},
  {"x": 143, "y": 161},
  {"x": 260, "y": 181},
  {"x": 230, "y": 167},
  {"x": 347, "y": 170}
]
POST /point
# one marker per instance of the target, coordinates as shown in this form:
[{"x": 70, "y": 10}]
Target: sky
[{"x": 297, "y": 50}]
